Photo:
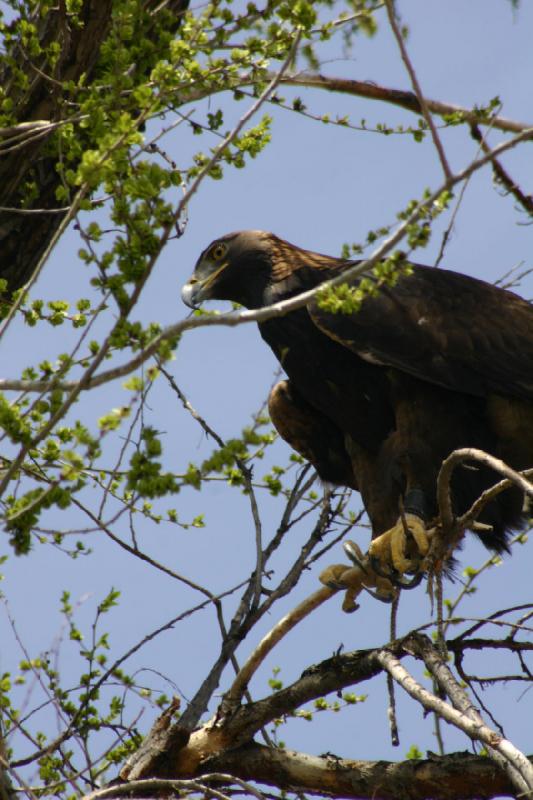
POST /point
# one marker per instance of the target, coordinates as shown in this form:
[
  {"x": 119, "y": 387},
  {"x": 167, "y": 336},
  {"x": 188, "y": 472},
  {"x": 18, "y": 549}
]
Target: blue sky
[{"x": 318, "y": 186}]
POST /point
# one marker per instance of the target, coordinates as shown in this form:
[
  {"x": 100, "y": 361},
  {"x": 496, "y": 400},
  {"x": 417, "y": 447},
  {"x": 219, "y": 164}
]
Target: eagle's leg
[{"x": 405, "y": 545}]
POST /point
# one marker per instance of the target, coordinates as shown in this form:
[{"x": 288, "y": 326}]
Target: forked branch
[{"x": 452, "y": 527}]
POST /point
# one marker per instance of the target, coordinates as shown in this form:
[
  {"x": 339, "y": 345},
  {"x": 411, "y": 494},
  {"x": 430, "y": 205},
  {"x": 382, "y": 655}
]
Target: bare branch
[
  {"x": 176, "y": 785},
  {"x": 454, "y": 460},
  {"x": 268, "y": 642},
  {"x": 403, "y": 99},
  {"x": 502, "y": 176},
  {"x": 456, "y": 775},
  {"x": 514, "y": 762},
  {"x": 418, "y": 91},
  {"x": 461, "y": 717}
]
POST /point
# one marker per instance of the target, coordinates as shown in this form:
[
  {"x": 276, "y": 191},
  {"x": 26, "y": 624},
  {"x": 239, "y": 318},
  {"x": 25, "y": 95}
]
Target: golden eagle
[{"x": 377, "y": 399}]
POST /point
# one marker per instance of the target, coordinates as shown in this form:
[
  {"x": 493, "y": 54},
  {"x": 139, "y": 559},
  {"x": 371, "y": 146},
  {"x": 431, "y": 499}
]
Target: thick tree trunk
[{"x": 24, "y": 151}]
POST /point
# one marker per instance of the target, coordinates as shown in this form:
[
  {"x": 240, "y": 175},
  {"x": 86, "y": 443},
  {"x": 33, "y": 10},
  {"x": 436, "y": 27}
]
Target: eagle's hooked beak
[
  {"x": 190, "y": 293},
  {"x": 196, "y": 291}
]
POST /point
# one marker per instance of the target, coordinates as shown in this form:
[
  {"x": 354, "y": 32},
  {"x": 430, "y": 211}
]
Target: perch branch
[
  {"x": 488, "y": 495},
  {"x": 449, "y": 524}
]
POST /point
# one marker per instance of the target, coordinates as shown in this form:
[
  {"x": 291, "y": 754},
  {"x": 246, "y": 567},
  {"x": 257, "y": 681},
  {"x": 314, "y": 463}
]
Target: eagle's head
[
  {"x": 255, "y": 268},
  {"x": 236, "y": 267}
]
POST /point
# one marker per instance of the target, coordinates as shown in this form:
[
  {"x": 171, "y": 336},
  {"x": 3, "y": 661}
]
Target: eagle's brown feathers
[{"x": 376, "y": 400}]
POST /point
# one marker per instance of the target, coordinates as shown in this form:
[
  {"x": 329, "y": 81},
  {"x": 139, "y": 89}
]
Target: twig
[
  {"x": 449, "y": 228},
  {"x": 169, "y": 786},
  {"x": 391, "y": 711},
  {"x": 53, "y": 745},
  {"x": 244, "y": 618},
  {"x": 488, "y": 495},
  {"x": 403, "y": 99},
  {"x": 246, "y": 476},
  {"x": 263, "y": 97},
  {"x": 134, "y": 551},
  {"x": 35, "y": 211},
  {"x": 501, "y": 175},
  {"x": 417, "y": 89}
]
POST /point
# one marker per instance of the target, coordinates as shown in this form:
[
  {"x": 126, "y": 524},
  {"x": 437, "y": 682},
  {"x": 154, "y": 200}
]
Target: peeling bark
[
  {"x": 225, "y": 745},
  {"x": 226, "y": 733},
  {"x": 458, "y": 775}
]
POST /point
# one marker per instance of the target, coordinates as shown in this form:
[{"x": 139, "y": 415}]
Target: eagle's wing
[{"x": 444, "y": 328}]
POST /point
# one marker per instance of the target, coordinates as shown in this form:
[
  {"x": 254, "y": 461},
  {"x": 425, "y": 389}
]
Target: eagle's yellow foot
[
  {"x": 392, "y": 547},
  {"x": 356, "y": 578},
  {"x": 342, "y": 576}
]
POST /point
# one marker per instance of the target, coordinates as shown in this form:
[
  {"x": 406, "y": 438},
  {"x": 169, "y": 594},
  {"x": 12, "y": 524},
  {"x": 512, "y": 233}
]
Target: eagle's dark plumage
[{"x": 377, "y": 399}]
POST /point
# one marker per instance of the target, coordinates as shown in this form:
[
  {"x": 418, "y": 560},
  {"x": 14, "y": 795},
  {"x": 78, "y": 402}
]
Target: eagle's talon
[
  {"x": 409, "y": 584},
  {"x": 355, "y": 554},
  {"x": 378, "y": 595}
]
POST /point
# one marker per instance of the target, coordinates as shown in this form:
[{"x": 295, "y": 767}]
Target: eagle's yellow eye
[{"x": 218, "y": 251}]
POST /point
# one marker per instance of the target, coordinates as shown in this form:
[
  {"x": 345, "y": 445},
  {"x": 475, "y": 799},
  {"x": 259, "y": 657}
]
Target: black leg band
[{"x": 414, "y": 502}]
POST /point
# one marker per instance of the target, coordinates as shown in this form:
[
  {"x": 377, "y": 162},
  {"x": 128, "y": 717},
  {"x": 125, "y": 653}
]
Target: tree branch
[
  {"x": 456, "y": 775},
  {"x": 424, "y": 109},
  {"x": 268, "y": 642},
  {"x": 452, "y": 527},
  {"x": 503, "y": 752},
  {"x": 404, "y": 99},
  {"x": 501, "y": 175},
  {"x": 462, "y": 715},
  {"x": 233, "y": 318},
  {"x": 177, "y": 760}
]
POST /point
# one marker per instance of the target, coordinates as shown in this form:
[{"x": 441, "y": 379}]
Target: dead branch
[
  {"x": 169, "y": 751},
  {"x": 268, "y": 642},
  {"x": 489, "y": 494}
]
